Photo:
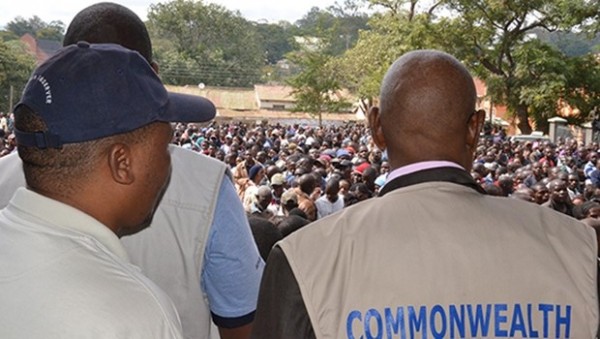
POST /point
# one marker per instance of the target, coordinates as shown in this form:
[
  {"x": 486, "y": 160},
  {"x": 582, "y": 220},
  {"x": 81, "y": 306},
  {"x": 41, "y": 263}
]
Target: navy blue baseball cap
[{"x": 92, "y": 91}]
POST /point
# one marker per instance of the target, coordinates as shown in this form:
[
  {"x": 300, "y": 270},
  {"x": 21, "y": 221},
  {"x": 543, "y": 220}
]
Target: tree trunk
[{"x": 523, "y": 125}]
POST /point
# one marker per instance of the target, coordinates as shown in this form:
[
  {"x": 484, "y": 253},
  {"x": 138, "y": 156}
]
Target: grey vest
[{"x": 440, "y": 260}]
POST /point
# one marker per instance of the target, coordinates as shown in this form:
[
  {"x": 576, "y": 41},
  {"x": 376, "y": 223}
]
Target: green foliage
[
  {"x": 570, "y": 43},
  {"x": 316, "y": 87},
  {"x": 393, "y": 32},
  {"x": 224, "y": 46},
  {"x": 8, "y": 36},
  {"x": 276, "y": 39},
  {"x": 37, "y": 27},
  {"x": 339, "y": 28},
  {"x": 16, "y": 66},
  {"x": 177, "y": 69},
  {"x": 494, "y": 38}
]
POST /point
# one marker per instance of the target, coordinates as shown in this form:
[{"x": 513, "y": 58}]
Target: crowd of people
[
  {"x": 136, "y": 226},
  {"x": 312, "y": 171},
  {"x": 319, "y": 164}
]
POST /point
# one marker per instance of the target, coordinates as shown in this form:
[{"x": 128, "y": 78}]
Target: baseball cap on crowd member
[
  {"x": 277, "y": 179},
  {"x": 289, "y": 196},
  {"x": 361, "y": 168},
  {"x": 342, "y": 153},
  {"x": 102, "y": 90},
  {"x": 345, "y": 163}
]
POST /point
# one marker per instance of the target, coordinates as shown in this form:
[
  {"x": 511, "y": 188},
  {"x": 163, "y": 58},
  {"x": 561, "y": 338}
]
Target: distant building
[
  {"x": 275, "y": 98},
  {"x": 263, "y": 102},
  {"x": 41, "y": 49}
]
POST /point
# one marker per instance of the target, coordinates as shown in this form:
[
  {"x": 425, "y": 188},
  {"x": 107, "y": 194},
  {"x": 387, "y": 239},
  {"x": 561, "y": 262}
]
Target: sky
[{"x": 64, "y": 10}]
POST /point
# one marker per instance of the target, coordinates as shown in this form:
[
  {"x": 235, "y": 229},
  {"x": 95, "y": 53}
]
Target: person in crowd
[
  {"x": 559, "y": 198},
  {"x": 256, "y": 174},
  {"x": 541, "y": 194},
  {"x": 506, "y": 184},
  {"x": 242, "y": 171},
  {"x": 536, "y": 174},
  {"x": 199, "y": 248},
  {"x": 89, "y": 181},
  {"x": 331, "y": 201},
  {"x": 265, "y": 234},
  {"x": 344, "y": 276},
  {"x": 292, "y": 223},
  {"x": 573, "y": 185},
  {"x": 590, "y": 165},
  {"x": 306, "y": 186},
  {"x": 259, "y": 207},
  {"x": 524, "y": 193},
  {"x": 289, "y": 201},
  {"x": 588, "y": 209}
]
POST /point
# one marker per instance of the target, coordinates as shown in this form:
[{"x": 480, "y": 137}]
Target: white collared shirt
[{"x": 63, "y": 274}]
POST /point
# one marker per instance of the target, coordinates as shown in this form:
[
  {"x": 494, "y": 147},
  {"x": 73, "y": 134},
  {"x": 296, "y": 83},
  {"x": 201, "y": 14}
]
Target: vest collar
[{"x": 446, "y": 174}]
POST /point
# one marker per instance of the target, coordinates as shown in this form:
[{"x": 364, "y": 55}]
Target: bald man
[{"x": 432, "y": 255}]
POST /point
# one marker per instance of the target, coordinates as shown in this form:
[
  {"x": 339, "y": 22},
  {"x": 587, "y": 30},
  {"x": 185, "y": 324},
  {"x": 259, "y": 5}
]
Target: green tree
[
  {"x": 276, "y": 39},
  {"x": 316, "y": 88},
  {"x": 37, "y": 27},
  {"x": 396, "y": 28},
  {"x": 494, "y": 38},
  {"x": 225, "y": 47},
  {"x": 16, "y": 66},
  {"x": 336, "y": 25}
]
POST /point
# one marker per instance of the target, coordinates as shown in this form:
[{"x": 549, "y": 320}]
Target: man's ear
[
  {"x": 155, "y": 67},
  {"x": 375, "y": 126},
  {"x": 120, "y": 164},
  {"x": 474, "y": 126}
]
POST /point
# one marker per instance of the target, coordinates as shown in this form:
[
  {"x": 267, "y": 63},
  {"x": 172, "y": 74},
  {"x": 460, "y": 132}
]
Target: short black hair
[
  {"x": 265, "y": 234},
  {"x": 107, "y": 22},
  {"x": 292, "y": 223}
]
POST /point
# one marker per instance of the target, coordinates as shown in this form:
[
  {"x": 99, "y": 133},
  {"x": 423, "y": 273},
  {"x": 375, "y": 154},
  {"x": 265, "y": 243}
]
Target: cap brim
[{"x": 189, "y": 108}]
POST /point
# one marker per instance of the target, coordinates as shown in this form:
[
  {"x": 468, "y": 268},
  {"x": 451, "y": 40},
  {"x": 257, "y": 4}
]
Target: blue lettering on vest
[
  {"x": 354, "y": 315},
  {"x": 532, "y": 331},
  {"x": 499, "y": 319},
  {"x": 518, "y": 323},
  {"x": 457, "y": 320},
  {"x": 373, "y": 313},
  {"x": 395, "y": 325},
  {"x": 437, "y": 309},
  {"x": 566, "y": 321},
  {"x": 417, "y": 322},
  {"x": 509, "y": 320},
  {"x": 479, "y": 319},
  {"x": 545, "y": 308}
]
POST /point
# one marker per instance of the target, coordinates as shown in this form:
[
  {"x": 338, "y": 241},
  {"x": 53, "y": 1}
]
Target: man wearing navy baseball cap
[{"x": 92, "y": 131}]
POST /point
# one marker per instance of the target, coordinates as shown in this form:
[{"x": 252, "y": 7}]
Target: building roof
[
  {"x": 41, "y": 49},
  {"x": 274, "y": 93},
  {"x": 49, "y": 47}
]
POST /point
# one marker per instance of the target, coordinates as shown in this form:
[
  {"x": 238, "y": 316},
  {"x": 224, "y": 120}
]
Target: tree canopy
[
  {"x": 37, "y": 27},
  {"x": 224, "y": 46},
  {"x": 535, "y": 56},
  {"x": 495, "y": 39},
  {"x": 16, "y": 66}
]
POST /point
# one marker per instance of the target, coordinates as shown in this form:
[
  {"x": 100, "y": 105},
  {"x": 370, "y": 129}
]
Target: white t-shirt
[{"x": 326, "y": 207}]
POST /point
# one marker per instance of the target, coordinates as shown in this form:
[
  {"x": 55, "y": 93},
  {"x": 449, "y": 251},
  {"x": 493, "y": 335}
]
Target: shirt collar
[
  {"x": 419, "y": 166},
  {"x": 49, "y": 211}
]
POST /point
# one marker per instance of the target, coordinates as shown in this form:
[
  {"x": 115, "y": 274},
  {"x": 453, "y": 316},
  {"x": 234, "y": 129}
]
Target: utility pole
[{"x": 10, "y": 99}]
